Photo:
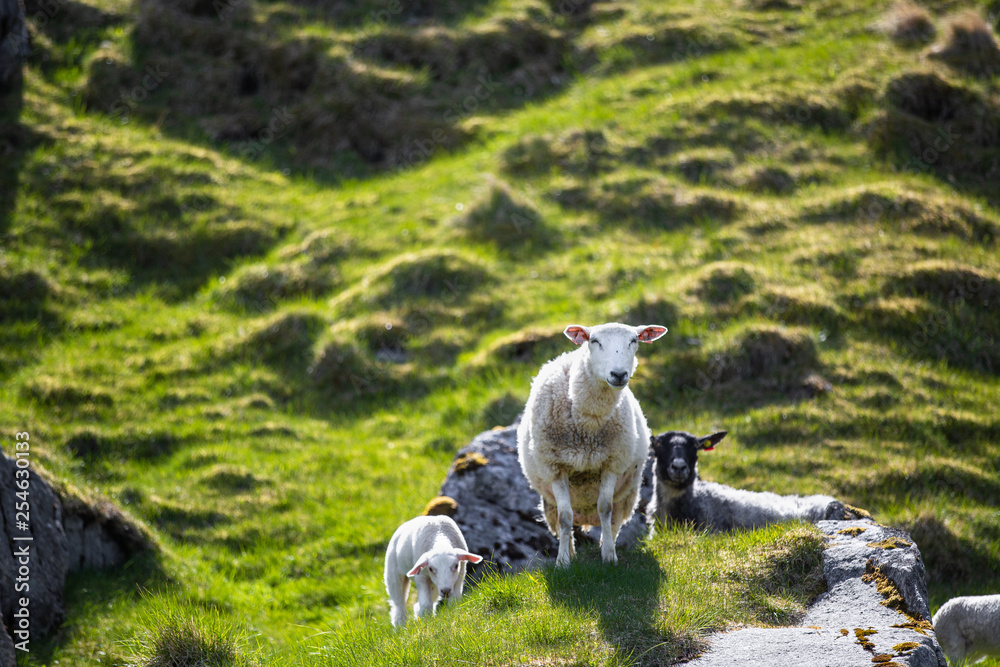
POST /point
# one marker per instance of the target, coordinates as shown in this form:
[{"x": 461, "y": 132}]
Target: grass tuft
[
  {"x": 970, "y": 45},
  {"x": 908, "y": 24}
]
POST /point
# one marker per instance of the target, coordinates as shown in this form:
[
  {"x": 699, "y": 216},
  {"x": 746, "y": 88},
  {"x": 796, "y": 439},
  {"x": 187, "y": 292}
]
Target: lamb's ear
[
  {"x": 471, "y": 557},
  {"x": 647, "y": 334},
  {"x": 417, "y": 568},
  {"x": 709, "y": 442},
  {"x": 578, "y": 334}
]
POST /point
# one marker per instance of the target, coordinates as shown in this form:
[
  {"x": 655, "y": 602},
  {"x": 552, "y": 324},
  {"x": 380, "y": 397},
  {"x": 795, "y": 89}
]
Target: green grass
[{"x": 270, "y": 359}]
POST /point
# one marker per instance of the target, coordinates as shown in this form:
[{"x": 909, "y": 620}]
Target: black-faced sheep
[
  {"x": 681, "y": 496},
  {"x": 583, "y": 439}
]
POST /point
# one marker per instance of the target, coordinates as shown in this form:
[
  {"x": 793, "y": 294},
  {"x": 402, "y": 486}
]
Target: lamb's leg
[
  {"x": 425, "y": 596},
  {"x": 399, "y": 588},
  {"x": 605, "y": 506},
  {"x": 456, "y": 590},
  {"x": 560, "y": 489}
]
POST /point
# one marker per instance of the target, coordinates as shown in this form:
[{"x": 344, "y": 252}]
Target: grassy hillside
[{"x": 266, "y": 265}]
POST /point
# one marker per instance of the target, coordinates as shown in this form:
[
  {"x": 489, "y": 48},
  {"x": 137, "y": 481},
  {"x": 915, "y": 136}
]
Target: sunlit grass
[{"x": 157, "y": 364}]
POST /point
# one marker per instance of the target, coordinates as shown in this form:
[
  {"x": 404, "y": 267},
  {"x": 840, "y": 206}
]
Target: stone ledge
[
  {"x": 68, "y": 534},
  {"x": 851, "y": 604}
]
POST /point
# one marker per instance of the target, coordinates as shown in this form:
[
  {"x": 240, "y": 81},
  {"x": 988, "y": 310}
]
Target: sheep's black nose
[
  {"x": 445, "y": 592},
  {"x": 677, "y": 469},
  {"x": 619, "y": 378}
]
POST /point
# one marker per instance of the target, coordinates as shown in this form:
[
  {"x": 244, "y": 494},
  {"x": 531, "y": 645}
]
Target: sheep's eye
[
  {"x": 433, "y": 571},
  {"x": 454, "y": 567},
  {"x": 596, "y": 342},
  {"x": 634, "y": 341}
]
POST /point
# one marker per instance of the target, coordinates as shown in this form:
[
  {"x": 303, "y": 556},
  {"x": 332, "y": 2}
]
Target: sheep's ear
[
  {"x": 709, "y": 442},
  {"x": 647, "y": 334},
  {"x": 471, "y": 557},
  {"x": 417, "y": 568},
  {"x": 577, "y": 333}
]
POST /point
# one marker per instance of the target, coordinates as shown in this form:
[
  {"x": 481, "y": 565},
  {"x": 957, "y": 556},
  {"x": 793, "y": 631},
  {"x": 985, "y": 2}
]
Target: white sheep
[
  {"x": 680, "y": 496},
  {"x": 583, "y": 439},
  {"x": 432, "y": 551},
  {"x": 968, "y": 628}
]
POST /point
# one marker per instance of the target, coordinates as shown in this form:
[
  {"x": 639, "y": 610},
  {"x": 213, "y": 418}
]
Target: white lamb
[
  {"x": 432, "y": 551},
  {"x": 583, "y": 439},
  {"x": 968, "y": 628}
]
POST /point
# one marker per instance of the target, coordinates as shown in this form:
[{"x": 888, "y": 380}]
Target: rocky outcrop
[
  {"x": 499, "y": 512},
  {"x": 43, "y": 546},
  {"x": 875, "y": 610},
  {"x": 59, "y": 536},
  {"x": 13, "y": 41}
]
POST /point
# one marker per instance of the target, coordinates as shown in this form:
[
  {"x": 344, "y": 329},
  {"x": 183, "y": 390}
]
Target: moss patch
[
  {"x": 469, "y": 462},
  {"x": 893, "y": 597},
  {"x": 441, "y": 506},
  {"x": 854, "y": 531},
  {"x": 862, "y": 638},
  {"x": 890, "y": 543}
]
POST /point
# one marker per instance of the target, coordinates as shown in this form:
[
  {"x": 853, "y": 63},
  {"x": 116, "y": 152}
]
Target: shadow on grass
[
  {"x": 92, "y": 595},
  {"x": 624, "y": 597},
  {"x": 27, "y": 319}
]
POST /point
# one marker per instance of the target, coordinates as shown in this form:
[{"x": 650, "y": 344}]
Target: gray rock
[
  {"x": 47, "y": 558},
  {"x": 65, "y": 536},
  {"x": 499, "y": 512},
  {"x": 7, "y": 656},
  {"x": 849, "y": 604},
  {"x": 14, "y": 46}
]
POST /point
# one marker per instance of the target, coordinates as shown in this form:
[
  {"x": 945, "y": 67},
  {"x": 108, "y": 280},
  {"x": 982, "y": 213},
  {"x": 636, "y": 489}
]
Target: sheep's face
[
  {"x": 677, "y": 456},
  {"x": 444, "y": 568},
  {"x": 612, "y": 349}
]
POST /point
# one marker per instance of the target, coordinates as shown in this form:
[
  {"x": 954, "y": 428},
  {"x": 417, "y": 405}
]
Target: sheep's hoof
[
  {"x": 610, "y": 558},
  {"x": 562, "y": 562}
]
